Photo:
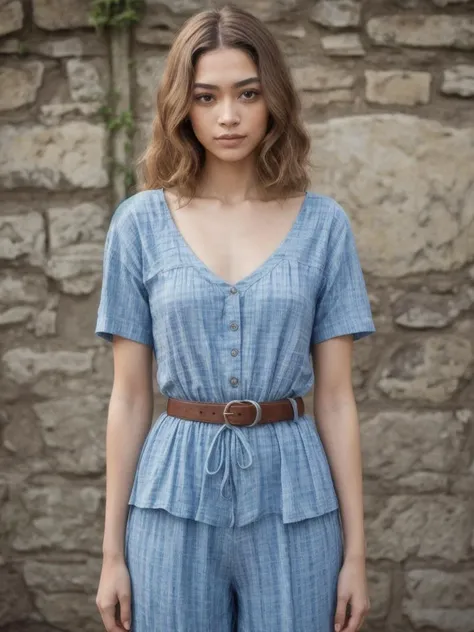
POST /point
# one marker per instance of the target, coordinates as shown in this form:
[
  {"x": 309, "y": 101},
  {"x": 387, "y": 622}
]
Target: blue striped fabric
[
  {"x": 217, "y": 342},
  {"x": 188, "y": 576}
]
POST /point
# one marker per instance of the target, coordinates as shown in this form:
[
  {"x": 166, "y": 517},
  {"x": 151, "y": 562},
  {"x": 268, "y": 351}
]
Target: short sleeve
[
  {"x": 124, "y": 307},
  {"x": 342, "y": 304}
]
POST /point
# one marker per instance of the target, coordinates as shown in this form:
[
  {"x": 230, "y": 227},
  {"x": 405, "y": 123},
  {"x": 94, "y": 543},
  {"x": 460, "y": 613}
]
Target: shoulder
[
  {"x": 329, "y": 215},
  {"x": 133, "y": 209},
  {"x": 130, "y": 223}
]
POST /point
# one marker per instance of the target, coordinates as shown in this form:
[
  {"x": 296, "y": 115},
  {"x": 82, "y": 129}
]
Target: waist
[{"x": 237, "y": 412}]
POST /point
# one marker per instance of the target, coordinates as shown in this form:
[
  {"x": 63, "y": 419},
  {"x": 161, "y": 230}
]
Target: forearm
[
  {"x": 127, "y": 427},
  {"x": 338, "y": 426}
]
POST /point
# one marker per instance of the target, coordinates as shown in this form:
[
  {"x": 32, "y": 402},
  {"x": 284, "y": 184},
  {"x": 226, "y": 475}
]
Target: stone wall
[{"x": 387, "y": 88}]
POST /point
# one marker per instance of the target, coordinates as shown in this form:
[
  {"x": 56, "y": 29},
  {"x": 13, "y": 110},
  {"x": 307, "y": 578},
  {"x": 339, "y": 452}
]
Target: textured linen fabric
[
  {"x": 188, "y": 576},
  {"x": 216, "y": 342}
]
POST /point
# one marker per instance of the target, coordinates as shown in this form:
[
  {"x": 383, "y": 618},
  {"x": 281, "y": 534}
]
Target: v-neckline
[{"x": 215, "y": 278}]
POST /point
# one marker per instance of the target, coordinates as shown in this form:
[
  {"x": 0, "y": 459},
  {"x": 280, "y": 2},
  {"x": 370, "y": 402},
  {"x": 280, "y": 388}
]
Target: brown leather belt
[{"x": 245, "y": 412}]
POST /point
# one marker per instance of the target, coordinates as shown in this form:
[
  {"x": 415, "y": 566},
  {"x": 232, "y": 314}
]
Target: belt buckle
[{"x": 258, "y": 414}]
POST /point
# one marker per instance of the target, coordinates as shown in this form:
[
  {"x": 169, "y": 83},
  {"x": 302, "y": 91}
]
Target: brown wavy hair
[{"x": 174, "y": 157}]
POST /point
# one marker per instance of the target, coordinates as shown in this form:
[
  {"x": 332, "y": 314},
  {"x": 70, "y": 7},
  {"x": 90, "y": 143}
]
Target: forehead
[{"x": 224, "y": 67}]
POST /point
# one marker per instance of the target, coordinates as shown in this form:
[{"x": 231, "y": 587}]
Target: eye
[
  {"x": 254, "y": 92},
  {"x": 200, "y": 96}
]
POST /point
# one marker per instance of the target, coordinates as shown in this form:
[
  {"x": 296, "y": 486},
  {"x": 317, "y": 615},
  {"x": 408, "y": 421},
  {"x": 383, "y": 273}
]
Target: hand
[
  {"x": 352, "y": 593},
  {"x": 114, "y": 592}
]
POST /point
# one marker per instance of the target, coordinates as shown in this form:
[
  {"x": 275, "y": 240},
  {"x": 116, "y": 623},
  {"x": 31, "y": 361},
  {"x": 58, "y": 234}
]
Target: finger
[
  {"x": 362, "y": 619},
  {"x": 125, "y": 611},
  {"x": 340, "y": 616},
  {"x": 355, "y": 620},
  {"x": 108, "y": 617}
]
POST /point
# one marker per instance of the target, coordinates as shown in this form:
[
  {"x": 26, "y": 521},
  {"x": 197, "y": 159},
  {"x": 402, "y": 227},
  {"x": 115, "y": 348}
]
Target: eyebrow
[{"x": 244, "y": 82}]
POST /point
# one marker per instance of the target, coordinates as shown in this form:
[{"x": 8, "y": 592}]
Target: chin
[{"x": 234, "y": 156}]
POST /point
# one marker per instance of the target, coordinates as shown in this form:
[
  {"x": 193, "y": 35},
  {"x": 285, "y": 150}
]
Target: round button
[
  {"x": 234, "y": 381},
  {"x": 234, "y": 326},
  {"x": 234, "y": 352},
  {"x": 233, "y": 290}
]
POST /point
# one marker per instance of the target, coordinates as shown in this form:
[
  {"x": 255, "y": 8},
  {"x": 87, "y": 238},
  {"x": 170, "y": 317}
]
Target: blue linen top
[{"x": 216, "y": 342}]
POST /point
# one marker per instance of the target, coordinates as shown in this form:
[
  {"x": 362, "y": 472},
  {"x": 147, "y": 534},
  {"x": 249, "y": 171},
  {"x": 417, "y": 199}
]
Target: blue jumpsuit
[{"x": 232, "y": 528}]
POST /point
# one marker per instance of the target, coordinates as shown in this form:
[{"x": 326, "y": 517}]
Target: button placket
[{"x": 234, "y": 327}]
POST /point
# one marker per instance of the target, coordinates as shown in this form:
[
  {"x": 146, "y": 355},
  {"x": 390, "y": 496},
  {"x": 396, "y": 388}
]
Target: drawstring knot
[{"x": 220, "y": 445}]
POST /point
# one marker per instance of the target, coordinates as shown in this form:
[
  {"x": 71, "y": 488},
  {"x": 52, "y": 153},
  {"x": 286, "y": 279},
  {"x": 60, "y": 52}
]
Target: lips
[{"x": 233, "y": 137}]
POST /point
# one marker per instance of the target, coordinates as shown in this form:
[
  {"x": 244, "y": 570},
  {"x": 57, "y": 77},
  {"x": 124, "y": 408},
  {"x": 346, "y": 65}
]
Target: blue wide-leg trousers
[{"x": 266, "y": 576}]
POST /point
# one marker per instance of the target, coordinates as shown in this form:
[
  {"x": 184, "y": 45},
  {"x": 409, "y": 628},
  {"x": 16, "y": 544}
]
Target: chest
[
  {"x": 234, "y": 242},
  {"x": 271, "y": 308}
]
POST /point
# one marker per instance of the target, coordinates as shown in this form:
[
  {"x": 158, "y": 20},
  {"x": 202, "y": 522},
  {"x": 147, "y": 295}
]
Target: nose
[{"x": 228, "y": 114}]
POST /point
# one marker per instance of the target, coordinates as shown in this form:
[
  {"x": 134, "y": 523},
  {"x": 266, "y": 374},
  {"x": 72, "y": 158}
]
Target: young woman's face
[{"x": 221, "y": 107}]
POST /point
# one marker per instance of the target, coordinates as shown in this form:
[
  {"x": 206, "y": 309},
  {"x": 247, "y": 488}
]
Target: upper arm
[
  {"x": 123, "y": 314},
  {"x": 332, "y": 364},
  {"x": 133, "y": 370},
  {"x": 342, "y": 316}
]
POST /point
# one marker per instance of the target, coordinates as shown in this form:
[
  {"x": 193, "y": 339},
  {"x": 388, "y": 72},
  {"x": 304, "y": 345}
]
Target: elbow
[
  {"x": 334, "y": 402},
  {"x": 133, "y": 401}
]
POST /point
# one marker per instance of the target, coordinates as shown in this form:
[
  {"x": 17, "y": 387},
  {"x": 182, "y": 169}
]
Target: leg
[
  {"x": 286, "y": 575},
  {"x": 179, "y": 573}
]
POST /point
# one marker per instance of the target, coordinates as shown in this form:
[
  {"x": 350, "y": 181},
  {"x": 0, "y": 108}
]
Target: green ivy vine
[
  {"x": 118, "y": 14},
  {"x": 115, "y": 13},
  {"x": 116, "y": 121}
]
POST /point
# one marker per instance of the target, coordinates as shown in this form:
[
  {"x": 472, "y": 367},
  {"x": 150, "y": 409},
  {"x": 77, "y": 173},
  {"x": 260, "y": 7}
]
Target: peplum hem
[
  {"x": 232, "y": 476},
  {"x": 187, "y": 512}
]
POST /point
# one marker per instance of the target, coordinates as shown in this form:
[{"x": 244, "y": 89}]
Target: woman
[{"x": 235, "y": 511}]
